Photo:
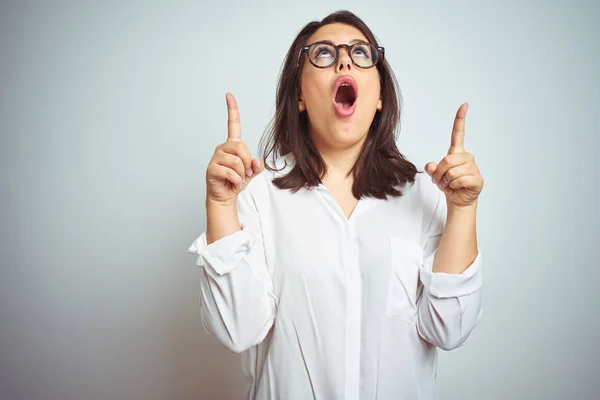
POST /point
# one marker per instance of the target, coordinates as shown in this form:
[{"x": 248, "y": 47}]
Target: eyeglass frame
[{"x": 337, "y": 47}]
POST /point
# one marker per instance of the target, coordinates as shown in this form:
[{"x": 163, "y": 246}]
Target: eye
[
  {"x": 362, "y": 50},
  {"x": 323, "y": 51}
]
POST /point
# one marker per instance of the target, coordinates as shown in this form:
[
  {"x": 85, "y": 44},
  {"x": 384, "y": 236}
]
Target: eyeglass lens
[{"x": 324, "y": 54}]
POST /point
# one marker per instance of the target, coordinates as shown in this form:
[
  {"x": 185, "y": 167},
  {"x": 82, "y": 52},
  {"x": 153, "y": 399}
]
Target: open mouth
[{"x": 345, "y": 95}]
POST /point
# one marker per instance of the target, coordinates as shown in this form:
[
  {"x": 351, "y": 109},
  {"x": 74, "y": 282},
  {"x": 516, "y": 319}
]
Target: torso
[
  {"x": 346, "y": 290},
  {"x": 342, "y": 191}
]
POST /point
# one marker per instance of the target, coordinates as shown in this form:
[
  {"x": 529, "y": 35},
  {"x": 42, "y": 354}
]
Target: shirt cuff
[
  {"x": 445, "y": 285},
  {"x": 223, "y": 255}
]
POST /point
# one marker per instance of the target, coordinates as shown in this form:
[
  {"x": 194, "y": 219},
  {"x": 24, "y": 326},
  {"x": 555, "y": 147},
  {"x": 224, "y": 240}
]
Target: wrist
[
  {"x": 221, "y": 219},
  {"x": 221, "y": 205},
  {"x": 459, "y": 209}
]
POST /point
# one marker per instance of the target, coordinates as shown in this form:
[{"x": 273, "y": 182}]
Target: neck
[{"x": 339, "y": 161}]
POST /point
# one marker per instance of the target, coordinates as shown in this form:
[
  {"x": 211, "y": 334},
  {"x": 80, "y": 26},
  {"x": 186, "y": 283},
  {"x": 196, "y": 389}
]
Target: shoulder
[
  {"x": 422, "y": 193},
  {"x": 261, "y": 187},
  {"x": 422, "y": 200},
  {"x": 426, "y": 192},
  {"x": 432, "y": 201}
]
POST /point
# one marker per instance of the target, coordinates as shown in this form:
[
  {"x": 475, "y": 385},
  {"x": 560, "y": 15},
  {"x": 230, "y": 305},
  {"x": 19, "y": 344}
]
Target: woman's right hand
[{"x": 231, "y": 166}]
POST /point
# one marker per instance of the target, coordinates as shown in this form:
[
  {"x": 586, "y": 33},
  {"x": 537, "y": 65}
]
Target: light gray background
[{"x": 109, "y": 114}]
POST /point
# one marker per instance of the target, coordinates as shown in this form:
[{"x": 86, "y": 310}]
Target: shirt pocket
[{"x": 405, "y": 264}]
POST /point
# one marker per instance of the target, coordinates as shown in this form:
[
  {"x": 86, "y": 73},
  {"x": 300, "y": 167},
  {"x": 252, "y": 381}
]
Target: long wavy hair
[{"x": 380, "y": 169}]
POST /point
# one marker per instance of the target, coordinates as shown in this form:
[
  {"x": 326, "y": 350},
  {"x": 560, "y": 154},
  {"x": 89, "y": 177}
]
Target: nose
[{"x": 344, "y": 61}]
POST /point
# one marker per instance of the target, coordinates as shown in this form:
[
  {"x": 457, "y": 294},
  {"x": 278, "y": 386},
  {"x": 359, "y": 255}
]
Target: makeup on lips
[{"x": 345, "y": 93}]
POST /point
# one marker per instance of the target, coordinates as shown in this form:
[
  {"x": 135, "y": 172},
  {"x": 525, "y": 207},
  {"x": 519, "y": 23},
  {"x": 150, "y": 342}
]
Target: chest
[
  {"x": 341, "y": 191},
  {"x": 312, "y": 238}
]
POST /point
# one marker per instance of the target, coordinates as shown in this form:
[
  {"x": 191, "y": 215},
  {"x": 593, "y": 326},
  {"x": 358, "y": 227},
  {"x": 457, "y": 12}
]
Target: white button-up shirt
[{"x": 328, "y": 307}]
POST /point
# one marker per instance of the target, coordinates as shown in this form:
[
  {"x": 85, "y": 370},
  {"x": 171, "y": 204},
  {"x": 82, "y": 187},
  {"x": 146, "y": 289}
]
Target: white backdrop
[{"x": 109, "y": 114}]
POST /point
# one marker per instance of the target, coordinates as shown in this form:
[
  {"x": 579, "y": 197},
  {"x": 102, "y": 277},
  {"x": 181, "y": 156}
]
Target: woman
[{"x": 339, "y": 269}]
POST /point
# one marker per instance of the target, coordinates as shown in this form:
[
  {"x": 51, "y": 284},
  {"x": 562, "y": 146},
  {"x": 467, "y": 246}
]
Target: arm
[
  {"x": 458, "y": 245},
  {"x": 450, "y": 305},
  {"x": 451, "y": 276},
  {"x": 238, "y": 304}
]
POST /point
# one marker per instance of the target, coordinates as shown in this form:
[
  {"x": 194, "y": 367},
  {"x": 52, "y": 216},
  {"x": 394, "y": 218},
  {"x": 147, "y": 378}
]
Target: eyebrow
[{"x": 351, "y": 42}]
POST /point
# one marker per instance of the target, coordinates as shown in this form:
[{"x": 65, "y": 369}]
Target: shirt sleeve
[
  {"x": 450, "y": 305},
  {"x": 238, "y": 306}
]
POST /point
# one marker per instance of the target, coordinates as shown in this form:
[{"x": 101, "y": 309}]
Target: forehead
[{"x": 337, "y": 33}]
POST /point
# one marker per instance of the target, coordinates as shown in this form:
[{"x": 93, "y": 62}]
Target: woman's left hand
[{"x": 457, "y": 175}]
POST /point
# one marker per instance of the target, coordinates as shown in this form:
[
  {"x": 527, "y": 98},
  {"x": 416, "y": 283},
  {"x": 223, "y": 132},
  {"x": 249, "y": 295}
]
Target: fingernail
[
  {"x": 244, "y": 180},
  {"x": 258, "y": 163},
  {"x": 241, "y": 185},
  {"x": 433, "y": 180},
  {"x": 250, "y": 172},
  {"x": 439, "y": 185}
]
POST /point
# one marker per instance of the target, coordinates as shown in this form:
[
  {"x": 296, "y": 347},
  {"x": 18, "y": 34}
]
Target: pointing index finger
[
  {"x": 457, "y": 143},
  {"x": 234, "y": 130}
]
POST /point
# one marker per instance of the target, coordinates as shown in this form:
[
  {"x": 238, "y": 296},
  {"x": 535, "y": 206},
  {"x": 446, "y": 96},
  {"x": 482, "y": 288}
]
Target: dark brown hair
[{"x": 380, "y": 169}]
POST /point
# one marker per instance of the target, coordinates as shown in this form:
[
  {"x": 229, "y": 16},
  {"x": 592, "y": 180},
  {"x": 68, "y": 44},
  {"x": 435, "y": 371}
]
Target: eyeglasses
[{"x": 325, "y": 54}]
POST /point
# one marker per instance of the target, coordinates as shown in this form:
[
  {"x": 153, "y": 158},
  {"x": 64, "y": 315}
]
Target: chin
[
  {"x": 341, "y": 133},
  {"x": 346, "y": 138}
]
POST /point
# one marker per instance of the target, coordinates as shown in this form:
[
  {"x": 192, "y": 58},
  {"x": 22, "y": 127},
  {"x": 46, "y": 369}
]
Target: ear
[
  {"x": 301, "y": 105},
  {"x": 379, "y": 105}
]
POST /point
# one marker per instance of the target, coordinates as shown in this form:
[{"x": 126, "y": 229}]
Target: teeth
[{"x": 344, "y": 84}]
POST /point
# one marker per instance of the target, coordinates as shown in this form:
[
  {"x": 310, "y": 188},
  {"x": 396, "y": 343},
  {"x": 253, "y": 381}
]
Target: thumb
[{"x": 430, "y": 168}]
